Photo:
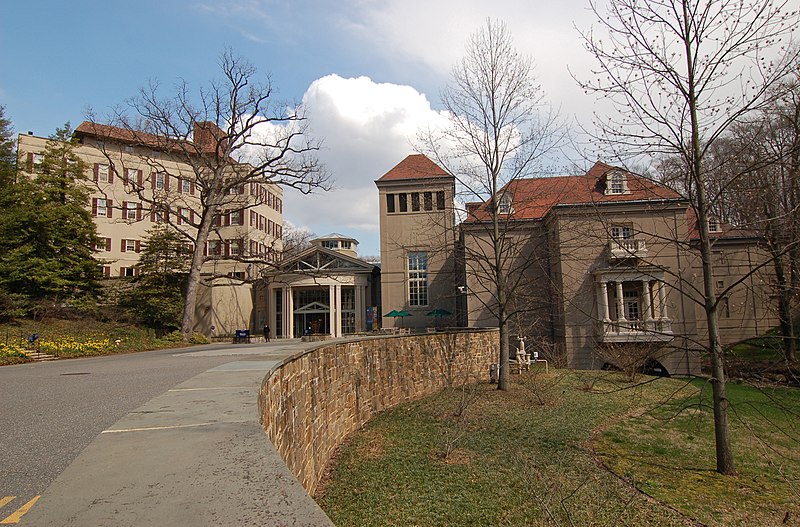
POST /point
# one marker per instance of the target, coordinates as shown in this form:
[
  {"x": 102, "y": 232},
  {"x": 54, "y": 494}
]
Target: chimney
[{"x": 207, "y": 135}]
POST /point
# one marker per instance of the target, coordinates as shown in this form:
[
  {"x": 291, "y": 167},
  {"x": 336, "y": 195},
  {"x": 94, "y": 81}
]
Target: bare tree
[
  {"x": 228, "y": 141},
  {"x": 295, "y": 240},
  {"x": 679, "y": 73},
  {"x": 500, "y": 130}
]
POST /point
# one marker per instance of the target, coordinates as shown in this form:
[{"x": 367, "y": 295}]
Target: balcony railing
[
  {"x": 653, "y": 330},
  {"x": 627, "y": 248}
]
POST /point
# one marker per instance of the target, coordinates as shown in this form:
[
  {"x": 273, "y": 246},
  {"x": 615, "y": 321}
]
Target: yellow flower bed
[
  {"x": 73, "y": 346},
  {"x": 13, "y": 351}
]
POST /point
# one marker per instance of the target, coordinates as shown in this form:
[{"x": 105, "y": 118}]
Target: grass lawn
[
  {"x": 76, "y": 338},
  {"x": 569, "y": 448}
]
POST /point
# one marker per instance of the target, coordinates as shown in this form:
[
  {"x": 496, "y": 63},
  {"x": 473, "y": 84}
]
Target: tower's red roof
[{"x": 415, "y": 166}]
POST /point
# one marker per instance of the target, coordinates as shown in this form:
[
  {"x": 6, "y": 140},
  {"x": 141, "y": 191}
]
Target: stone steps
[{"x": 41, "y": 357}]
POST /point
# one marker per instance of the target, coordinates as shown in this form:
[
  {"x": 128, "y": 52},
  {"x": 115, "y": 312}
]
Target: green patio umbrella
[
  {"x": 395, "y": 313},
  {"x": 438, "y": 313}
]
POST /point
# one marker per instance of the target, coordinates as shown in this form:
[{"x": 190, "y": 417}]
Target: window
[
  {"x": 103, "y": 244},
  {"x": 631, "y": 299},
  {"x": 720, "y": 284},
  {"x": 440, "y": 200},
  {"x": 346, "y": 245},
  {"x": 127, "y": 271},
  {"x": 214, "y": 248},
  {"x": 161, "y": 181},
  {"x": 103, "y": 173},
  {"x": 390, "y": 203},
  {"x": 713, "y": 224},
  {"x": 234, "y": 216},
  {"x": 38, "y": 159},
  {"x": 234, "y": 249},
  {"x": 621, "y": 232},
  {"x": 427, "y": 200},
  {"x": 101, "y": 207},
  {"x": 418, "y": 278},
  {"x": 330, "y": 244},
  {"x": 403, "y": 202},
  {"x": 415, "y": 201},
  {"x": 184, "y": 215},
  {"x": 616, "y": 183},
  {"x": 131, "y": 176},
  {"x": 130, "y": 246},
  {"x": 504, "y": 206},
  {"x": 130, "y": 210},
  {"x": 186, "y": 186}
]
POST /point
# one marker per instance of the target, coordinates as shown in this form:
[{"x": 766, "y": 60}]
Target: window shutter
[
  {"x": 30, "y": 161},
  {"x": 96, "y": 172},
  {"x": 153, "y": 215},
  {"x": 121, "y": 271},
  {"x": 111, "y": 172},
  {"x": 166, "y": 181},
  {"x": 109, "y": 205},
  {"x": 138, "y": 246},
  {"x": 180, "y": 185},
  {"x": 125, "y": 179},
  {"x": 122, "y": 245},
  {"x": 153, "y": 180},
  {"x": 241, "y": 217},
  {"x": 227, "y": 219},
  {"x": 94, "y": 206},
  {"x": 191, "y": 216},
  {"x": 205, "y": 250},
  {"x": 191, "y": 187},
  {"x": 140, "y": 179},
  {"x": 227, "y": 248},
  {"x": 139, "y": 211},
  {"x": 124, "y": 210},
  {"x": 108, "y": 244},
  {"x": 135, "y": 271}
]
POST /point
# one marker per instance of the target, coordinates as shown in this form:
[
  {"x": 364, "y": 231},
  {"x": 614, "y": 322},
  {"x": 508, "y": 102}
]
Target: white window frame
[
  {"x": 102, "y": 208},
  {"x": 161, "y": 180},
  {"x": 616, "y": 183},
  {"x": 132, "y": 212},
  {"x": 186, "y": 186},
  {"x": 621, "y": 232},
  {"x": 130, "y": 246},
  {"x": 417, "y": 269},
  {"x": 132, "y": 175}
]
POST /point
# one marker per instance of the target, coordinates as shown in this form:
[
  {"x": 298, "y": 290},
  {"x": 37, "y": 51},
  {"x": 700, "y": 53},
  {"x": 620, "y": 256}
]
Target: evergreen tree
[
  {"x": 47, "y": 235},
  {"x": 157, "y": 296}
]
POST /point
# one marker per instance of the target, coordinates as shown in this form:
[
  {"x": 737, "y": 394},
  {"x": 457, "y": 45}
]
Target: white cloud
[{"x": 367, "y": 128}]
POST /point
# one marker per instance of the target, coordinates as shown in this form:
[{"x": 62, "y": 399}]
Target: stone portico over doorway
[
  {"x": 321, "y": 291},
  {"x": 632, "y": 305}
]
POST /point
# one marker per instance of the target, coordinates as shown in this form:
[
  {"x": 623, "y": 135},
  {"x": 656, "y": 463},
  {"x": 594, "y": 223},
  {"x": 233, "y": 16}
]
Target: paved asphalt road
[{"x": 49, "y": 412}]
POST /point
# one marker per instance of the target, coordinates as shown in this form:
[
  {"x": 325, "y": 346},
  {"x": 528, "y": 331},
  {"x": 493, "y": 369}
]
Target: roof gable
[
  {"x": 319, "y": 260},
  {"x": 415, "y": 166}
]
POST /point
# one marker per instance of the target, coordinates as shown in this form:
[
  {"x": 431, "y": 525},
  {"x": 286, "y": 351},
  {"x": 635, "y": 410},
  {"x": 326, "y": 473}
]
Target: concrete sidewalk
[{"x": 194, "y": 456}]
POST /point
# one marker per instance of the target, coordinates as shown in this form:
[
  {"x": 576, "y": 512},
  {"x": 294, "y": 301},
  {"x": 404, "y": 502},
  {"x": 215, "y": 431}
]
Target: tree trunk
[
  {"x": 785, "y": 309},
  {"x": 503, "y": 382},
  {"x": 193, "y": 281}
]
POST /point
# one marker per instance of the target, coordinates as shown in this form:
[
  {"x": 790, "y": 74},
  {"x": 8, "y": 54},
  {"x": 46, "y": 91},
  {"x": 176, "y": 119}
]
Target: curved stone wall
[{"x": 311, "y": 402}]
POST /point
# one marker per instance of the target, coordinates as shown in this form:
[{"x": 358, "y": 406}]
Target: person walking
[{"x": 266, "y": 333}]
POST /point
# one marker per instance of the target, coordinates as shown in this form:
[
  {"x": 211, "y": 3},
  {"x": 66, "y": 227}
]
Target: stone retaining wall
[{"x": 311, "y": 402}]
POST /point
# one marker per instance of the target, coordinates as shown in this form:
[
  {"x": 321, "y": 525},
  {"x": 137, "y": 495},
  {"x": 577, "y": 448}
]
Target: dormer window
[
  {"x": 713, "y": 224},
  {"x": 504, "y": 205},
  {"x": 616, "y": 183}
]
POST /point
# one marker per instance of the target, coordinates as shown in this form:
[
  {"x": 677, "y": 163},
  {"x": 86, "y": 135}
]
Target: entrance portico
[{"x": 320, "y": 291}]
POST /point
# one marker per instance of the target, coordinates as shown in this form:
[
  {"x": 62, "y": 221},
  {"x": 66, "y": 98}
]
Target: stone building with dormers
[{"x": 607, "y": 264}]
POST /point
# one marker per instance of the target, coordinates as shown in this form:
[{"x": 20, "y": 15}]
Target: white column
[
  {"x": 338, "y": 289},
  {"x": 288, "y": 313},
  {"x": 662, "y": 299},
  {"x": 332, "y": 310},
  {"x": 359, "y": 292},
  {"x": 646, "y": 300},
  {"x": 604, "y": 301},
  {"x": 620, "y": 303}
]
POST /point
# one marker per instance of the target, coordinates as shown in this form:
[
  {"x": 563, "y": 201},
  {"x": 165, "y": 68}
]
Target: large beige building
[
  {"x": 136, "y": 182},
  {"x": 603, "y": 267}
]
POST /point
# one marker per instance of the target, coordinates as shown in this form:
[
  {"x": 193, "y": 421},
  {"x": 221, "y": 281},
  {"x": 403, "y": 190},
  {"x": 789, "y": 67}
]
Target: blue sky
[{"x": 370, "y": 71}]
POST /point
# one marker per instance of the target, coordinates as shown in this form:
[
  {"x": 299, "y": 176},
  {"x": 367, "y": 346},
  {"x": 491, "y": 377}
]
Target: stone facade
[{"x": 311, "y": 402}]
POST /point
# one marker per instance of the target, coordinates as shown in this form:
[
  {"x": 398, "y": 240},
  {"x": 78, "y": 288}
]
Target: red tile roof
[
  {"x": 415, "y": 166},
  {"x": 124, "y": 135},
  {"x": 533, "y": 198}
]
